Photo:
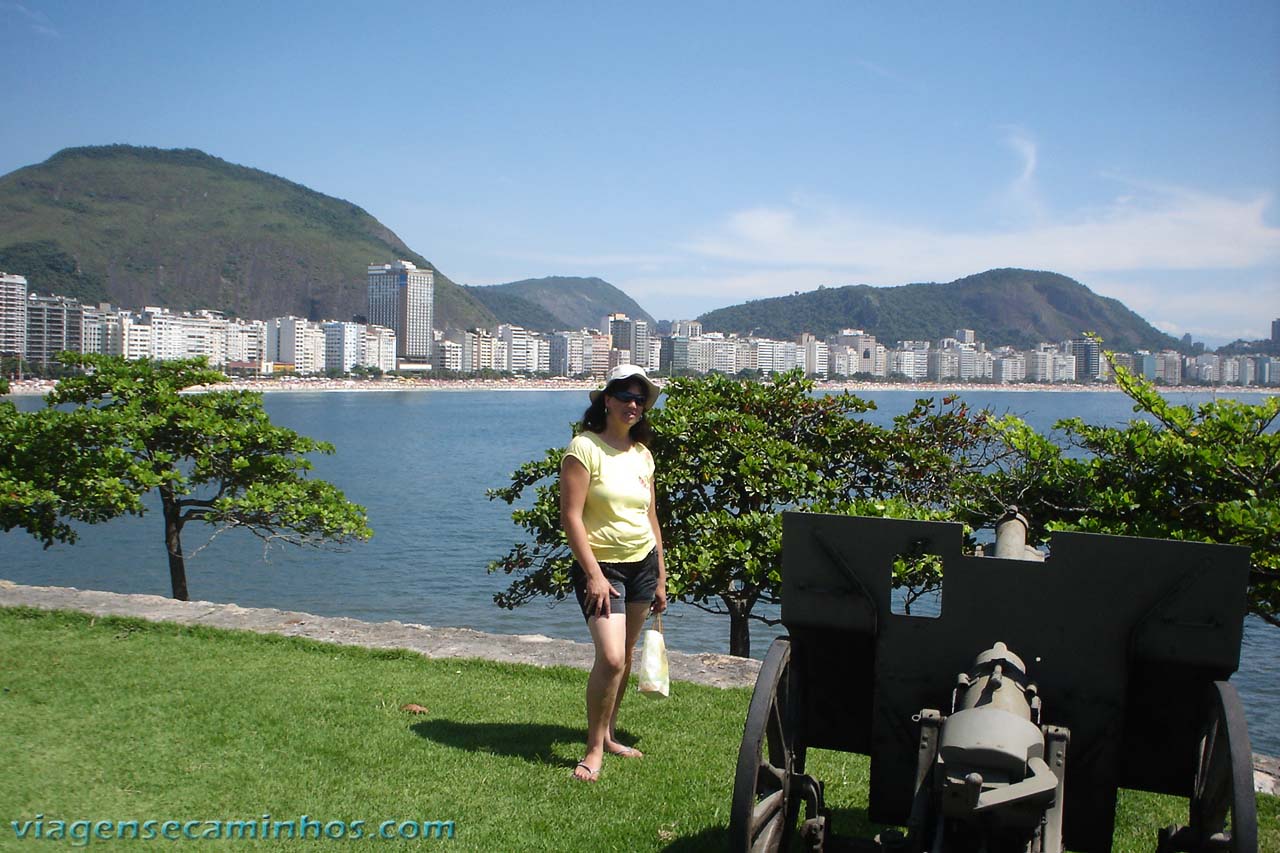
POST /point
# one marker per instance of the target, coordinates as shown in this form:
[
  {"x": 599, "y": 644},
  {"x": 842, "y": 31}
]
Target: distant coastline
[{"x": 36, "y": 387}]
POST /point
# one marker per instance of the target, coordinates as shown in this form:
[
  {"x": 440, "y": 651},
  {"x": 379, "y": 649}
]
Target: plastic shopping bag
[{"x": 654, "y": 678}]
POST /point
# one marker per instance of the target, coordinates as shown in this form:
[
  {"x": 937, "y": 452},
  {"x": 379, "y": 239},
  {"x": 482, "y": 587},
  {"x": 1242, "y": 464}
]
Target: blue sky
[{"x": 701, "y": 154}]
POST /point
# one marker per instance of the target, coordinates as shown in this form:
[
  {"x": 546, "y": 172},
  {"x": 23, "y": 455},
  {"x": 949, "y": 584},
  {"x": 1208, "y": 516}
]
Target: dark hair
[{"x": 594, "y": 417}]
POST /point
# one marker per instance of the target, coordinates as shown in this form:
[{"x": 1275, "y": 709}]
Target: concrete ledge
[{"x": 535, "y": 649}]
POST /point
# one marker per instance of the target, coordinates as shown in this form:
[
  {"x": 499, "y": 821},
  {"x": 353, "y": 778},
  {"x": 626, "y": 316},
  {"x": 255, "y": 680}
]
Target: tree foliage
[
  {"x": 213, "y": 457},
  {"x": 1208, "y": 473}
]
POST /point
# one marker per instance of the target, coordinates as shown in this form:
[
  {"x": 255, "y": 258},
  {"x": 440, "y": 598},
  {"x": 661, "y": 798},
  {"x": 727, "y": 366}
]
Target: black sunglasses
[{"x": 629, "y": 397}]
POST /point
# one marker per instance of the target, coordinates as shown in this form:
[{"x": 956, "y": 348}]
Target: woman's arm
[
  {"x": 660, "y": 596},
  {"x": 574, "y": 482}
]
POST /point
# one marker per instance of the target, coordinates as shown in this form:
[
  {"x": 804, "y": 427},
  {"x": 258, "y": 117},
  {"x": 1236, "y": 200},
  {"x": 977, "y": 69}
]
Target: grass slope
[
  {"x": 1004, "y": 306},
  {"x": 186, "y": 230},
  {"x": 117, "y": 719}
]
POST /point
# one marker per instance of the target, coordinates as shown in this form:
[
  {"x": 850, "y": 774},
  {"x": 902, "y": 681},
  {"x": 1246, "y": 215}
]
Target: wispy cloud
[
  {"x": 1154, "y": 247},
  {"x": 886, "y": 73},
  {"x": 1022, "y": 196},
  {"x": 1180, "y": 230},
  {"x": 37, "y": 21}
]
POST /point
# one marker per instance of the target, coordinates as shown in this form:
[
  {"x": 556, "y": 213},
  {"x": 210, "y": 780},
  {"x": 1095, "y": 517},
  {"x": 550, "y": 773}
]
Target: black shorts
[{"x": 635, "y": 583}]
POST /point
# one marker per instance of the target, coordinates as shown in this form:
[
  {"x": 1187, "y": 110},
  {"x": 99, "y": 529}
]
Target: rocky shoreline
[{"x": 432, "y": 642}]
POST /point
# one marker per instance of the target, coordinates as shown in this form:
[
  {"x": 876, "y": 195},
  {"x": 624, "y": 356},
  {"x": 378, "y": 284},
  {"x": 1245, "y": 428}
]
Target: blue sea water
[{"x": 421, "y": 462}]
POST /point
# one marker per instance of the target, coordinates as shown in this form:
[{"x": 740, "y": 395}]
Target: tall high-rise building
[
  {"x": 402, "y": 298},
  {"x": 13, "y": 315},
  {"x": 1275, "y": 331},
  {"x": 1088, "y": 355},
  {"x": 54, "y": 324}
]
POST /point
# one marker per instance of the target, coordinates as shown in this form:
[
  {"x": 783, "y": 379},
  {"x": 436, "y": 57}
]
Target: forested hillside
[
  {"x": 1003, "y": 306},
  {"x": 558, "y": 302},
  {"x": 183, "y": 229}
]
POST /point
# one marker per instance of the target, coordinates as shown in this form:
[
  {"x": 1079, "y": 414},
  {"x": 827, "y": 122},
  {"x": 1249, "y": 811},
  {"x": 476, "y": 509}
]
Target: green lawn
[{"x": 114, "y": 719}]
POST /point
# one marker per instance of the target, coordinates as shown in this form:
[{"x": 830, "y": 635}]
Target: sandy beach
[{"x": 293, "y": 384}]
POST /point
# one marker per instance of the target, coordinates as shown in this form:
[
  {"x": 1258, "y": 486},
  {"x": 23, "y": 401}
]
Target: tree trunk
[
  {"x": 739, "y": 625},
  {"x": 173, "y": 544}
]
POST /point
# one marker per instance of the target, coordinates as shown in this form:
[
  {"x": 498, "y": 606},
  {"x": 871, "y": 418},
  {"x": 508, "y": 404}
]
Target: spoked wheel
[
  {"x": 1224, "y": 811},
  {"x": 769, "y": 785}
]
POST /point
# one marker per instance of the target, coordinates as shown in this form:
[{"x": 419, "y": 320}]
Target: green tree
[
  {"x": 213, "y": 457},
  {"x": 1208, "y": 473},
  {"x": 57, "y": 467}
]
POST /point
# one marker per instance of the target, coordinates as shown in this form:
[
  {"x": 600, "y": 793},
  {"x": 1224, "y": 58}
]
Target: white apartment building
[
  {"x": 1009, "y": 367},
  {"x": 944, "y": 364},
  {"x": 448, "y": 355},
  {"x": 246, "y": 341},
  {"x": 91, "y": 328},
  {"x": 700, "y": 355},
  {"x": 1206, "y": 367},
  {"x": 543, "y": 357},
  {"x": 747, "y": 356},
  {"x": 911, "y": 363},
  {"x": 565, "y": 351},
  {"x": 775, "y": 356},
  {"x": 185, "y": 335},
  {"x": 402, "y": 298},
  {"x": 687, "y": 329},
  {"x": 486, "y": 354},
  {"x": 595, "y": 352},
  {"x": 378, "y": 348},
  {"x": 865, "y": 354},
  {"x": 135, "y": 334},
  {"x": 342, "y": 343},
  {"x": 522, "y": 350},
  {"x": 13, "y": 315},
  {"x": 816, "y": 356},
  {"x": 297, "y": 342}
]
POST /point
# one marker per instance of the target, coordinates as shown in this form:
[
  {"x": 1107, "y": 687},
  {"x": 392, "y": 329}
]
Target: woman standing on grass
[{"x": 609, "y": 514}]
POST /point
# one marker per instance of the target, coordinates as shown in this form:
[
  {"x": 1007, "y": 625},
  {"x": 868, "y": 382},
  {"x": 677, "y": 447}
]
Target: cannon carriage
[{"x": 1008, "y": 719}]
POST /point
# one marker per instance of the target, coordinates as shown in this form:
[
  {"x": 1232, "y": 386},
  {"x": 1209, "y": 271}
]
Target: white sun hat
[{"x": 629, "y": 371}]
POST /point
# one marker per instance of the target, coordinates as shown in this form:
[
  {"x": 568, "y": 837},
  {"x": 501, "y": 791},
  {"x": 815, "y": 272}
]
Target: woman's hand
[
  {"x": 599, "y": 591},
  {"x": 660, "y": 599}
]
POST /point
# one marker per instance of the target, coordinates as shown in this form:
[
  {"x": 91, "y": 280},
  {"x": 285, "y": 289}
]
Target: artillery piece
[{"x": 1130, "y": 642}]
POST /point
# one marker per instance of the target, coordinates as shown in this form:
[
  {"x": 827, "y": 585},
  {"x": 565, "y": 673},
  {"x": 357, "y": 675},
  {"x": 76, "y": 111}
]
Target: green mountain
[
  {"x": 558, "y": 302},
  {"x": 183, "y": 229},
  {"x": 1004, "y": 306}
]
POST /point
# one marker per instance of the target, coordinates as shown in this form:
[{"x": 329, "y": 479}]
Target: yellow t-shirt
[{"x": 616, "y": 511}]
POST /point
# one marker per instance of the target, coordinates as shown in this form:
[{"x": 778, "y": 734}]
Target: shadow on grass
[
  {"x": 714, "y": 838},
  {"x": 851, "y": 833},
  {"x": 533, "y": 742}
]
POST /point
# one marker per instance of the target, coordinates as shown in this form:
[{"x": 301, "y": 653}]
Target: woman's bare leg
[
  {"x": 609, "y": 635},
  {"x": 636, "y": 616}
]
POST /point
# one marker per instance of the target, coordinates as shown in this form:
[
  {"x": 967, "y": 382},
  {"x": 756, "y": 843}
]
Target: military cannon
[{"x": 1008, "y": 719}]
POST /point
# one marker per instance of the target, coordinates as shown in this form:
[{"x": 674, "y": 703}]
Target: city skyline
[
  {"x": 697, "y": 157},
  {"x": 37, "y": 327}
]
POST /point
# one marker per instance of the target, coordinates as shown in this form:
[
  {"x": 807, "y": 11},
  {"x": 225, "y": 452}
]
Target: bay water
[{"x": 420, "y": 462}]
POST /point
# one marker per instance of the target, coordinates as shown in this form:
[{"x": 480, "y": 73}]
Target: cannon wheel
[
  {"x": 1223, "y": 800},
  {"x": 1224, "y": 811},
  {"x": 765, "y": 804}
]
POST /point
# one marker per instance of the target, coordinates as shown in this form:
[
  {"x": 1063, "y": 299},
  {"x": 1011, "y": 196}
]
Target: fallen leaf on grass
[{"x": 413, "y": 709}]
